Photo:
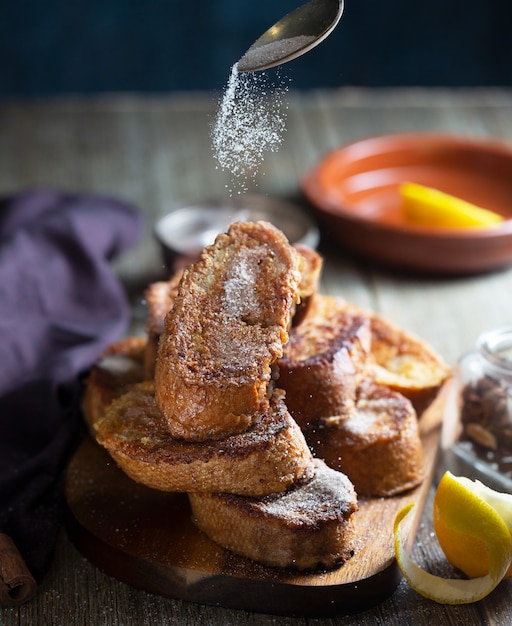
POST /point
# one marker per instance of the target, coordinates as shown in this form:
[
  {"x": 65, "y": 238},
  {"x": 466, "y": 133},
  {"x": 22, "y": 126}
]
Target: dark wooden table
[{"x": 156, "y": 152}]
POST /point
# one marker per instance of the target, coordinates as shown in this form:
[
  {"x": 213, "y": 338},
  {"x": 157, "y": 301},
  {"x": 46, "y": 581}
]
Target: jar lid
[{"x": 496, "y": 347}]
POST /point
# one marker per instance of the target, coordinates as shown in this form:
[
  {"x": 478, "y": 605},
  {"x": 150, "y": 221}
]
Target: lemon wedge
[
  {"x": 460, "y": 540},
  {"x": 472, "y": 523},
  {"x": 425, "y": 206}
]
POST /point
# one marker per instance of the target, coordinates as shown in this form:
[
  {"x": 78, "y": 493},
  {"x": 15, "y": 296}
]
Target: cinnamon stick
[{"x": 16, "y": 582}]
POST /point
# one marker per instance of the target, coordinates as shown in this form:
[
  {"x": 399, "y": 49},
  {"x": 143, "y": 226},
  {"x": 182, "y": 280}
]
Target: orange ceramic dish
[{"x": 355, "y": 192}]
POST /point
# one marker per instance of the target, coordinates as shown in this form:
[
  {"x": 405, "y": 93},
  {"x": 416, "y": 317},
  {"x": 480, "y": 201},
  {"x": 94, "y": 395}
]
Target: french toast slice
[
  {"x": 378, "y": 445},
  {"x": 309, "y": 526},
  {"x": 310, "y": 280},
  {"x": 396, "y": 358},
  {"x": 119, "y": 367},
  {"x": 226, "y": 329},
  {"x": 324, "y": 361},
  {"x": 267, "y": 458},
  {"x": 160, "y": 298},
  {"x": 404, "y": 362}
]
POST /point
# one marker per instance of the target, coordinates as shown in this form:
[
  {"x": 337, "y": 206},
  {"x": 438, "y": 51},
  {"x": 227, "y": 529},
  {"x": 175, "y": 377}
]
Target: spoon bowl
[{"x": 294, "y": 34}]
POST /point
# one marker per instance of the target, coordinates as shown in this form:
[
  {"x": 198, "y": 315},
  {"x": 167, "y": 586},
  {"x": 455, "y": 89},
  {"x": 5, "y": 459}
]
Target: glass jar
[{"x": 477, "y": 425}]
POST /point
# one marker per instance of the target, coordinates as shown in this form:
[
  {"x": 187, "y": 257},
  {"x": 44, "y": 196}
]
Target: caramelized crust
[
  {"x": 117, "y": 369},
  {"x": 306, "y": 527},
  {"x": 324, "y": 362},
  {"x": 227, "y": 327},
  {"x": 398, "y": 359},
  {"x": 310, "y": 280},
  {"x": 160, "y": 298},
  {"x": 267, "y": 458},
  {"x": 378, "y": 446},
  {"x": 406, "y": 363}
]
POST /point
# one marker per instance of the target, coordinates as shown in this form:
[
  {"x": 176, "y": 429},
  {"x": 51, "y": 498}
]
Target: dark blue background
[{"x": 88, "y": 46}]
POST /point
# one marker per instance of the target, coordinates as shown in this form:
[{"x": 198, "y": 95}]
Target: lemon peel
[
  {"x": 492, "y": 528},
  {"x": 426, "y": 206},
  {"x": 502, "y": 502}
]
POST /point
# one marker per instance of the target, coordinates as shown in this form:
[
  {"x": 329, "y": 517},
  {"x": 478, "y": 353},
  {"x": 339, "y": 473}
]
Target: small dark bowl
[{"x": 185, "y": 231}]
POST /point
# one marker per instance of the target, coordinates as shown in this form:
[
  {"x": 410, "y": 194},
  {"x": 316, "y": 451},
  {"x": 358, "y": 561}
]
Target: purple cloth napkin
[{"x": 60, "y": 305}]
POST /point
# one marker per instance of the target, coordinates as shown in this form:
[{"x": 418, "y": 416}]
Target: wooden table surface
[{"x": 156, "y": 153}]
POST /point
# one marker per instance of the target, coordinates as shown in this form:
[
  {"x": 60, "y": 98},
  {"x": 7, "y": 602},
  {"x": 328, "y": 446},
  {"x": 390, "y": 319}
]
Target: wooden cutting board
[{"x": 147, "y": 539}]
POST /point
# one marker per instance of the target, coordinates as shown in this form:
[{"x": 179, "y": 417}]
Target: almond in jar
[{"x": 477, "y": 425}]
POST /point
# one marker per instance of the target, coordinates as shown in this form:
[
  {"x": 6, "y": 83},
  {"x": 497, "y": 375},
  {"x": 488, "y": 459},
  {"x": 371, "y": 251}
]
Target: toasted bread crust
[
  {"x": 406, "y": 363},
  {"x": 324, "y": 362},
  {"x": 117, "y": 369},
  {"x": 160, "y": 298},
  {"x": 310, "y": 280},
  {"x": 267, "y": 458},
  {"x": 227, "y": 327},
  {"x": 378, "y": 445},
  {"x": 397, "y": 358},
  {"x": 307, "y": 527}
]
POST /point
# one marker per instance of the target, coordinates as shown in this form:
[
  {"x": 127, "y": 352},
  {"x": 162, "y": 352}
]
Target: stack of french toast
[{"x": 272, "y": 406}]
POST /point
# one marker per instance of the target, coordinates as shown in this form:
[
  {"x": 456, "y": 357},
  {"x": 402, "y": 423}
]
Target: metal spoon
[{"x": 294, "y": 34}]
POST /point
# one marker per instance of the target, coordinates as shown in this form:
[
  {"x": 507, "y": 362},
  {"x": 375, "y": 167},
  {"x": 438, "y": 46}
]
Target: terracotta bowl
[{"x": 354, "y": 191}]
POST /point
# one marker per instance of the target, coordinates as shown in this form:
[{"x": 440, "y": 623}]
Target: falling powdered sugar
[{"x": 250, "y": 122}]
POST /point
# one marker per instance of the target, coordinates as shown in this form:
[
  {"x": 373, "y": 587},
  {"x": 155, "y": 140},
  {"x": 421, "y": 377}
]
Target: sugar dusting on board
[{"x": 250, "y": 122}]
